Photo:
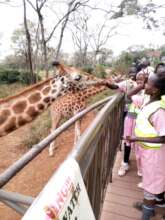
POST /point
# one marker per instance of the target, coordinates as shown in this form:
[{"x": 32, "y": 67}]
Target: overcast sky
[{"x": 131, "y": 32}]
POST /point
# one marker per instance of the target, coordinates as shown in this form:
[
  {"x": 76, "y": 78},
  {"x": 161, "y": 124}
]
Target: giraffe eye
[
  {"x": 78, "y": 77},
  {"x": 62, "y": 79}
]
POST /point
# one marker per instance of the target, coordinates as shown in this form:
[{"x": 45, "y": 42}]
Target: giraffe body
[
  {"x": 15, "y": 111},
  {"x": 68, "y": 106}
]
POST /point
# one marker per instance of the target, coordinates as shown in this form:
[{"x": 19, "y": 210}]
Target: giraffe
[
  {"x": 22, "y": 108},
  {"x": 72, "y": 103}
]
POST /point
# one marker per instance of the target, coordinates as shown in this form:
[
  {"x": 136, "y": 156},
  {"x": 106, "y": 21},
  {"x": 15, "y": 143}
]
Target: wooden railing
[{"x": 96, "y": 150}]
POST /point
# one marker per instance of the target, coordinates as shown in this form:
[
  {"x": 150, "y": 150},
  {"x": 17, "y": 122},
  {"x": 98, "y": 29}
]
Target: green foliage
[
  {"x": 100, "y": 71},
  {"x": 25, "y": 77},
  {"x": 11, "y": 76},
  {"x": 8, "y": 76},
  {"x": 39, "y": 130},
  {"x": 162, "y": 55},
  {"x": 127, "y": 7},
  {"x": 7, "y": 90},
  {"x": 88, "y": 69},
  {"x": 127, "y": 59}
]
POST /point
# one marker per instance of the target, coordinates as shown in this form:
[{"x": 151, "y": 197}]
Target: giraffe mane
[{"x": 29, "y": 88}]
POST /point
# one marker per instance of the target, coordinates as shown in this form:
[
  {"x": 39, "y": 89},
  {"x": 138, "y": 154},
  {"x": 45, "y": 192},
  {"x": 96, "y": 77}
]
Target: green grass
[
  {"x": 40, "y": 128},
  {"x": 10, "y": 89}
]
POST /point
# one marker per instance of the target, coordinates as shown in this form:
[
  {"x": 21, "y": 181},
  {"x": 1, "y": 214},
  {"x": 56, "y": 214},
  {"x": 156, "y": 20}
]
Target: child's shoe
[
  {"x": 140, "y": 185},
  {"x": 123, "y": 169},
  {"x": 138, "y": 205},
  {"x": 139, "y": 173}
]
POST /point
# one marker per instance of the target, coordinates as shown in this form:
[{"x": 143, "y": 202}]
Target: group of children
[{"x": 144, "y": 130}]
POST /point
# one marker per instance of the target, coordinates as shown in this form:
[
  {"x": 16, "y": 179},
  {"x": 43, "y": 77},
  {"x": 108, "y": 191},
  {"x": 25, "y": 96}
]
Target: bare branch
[
  {"x": 71, "y": 10},
  {"x": 31, "y": 5}
]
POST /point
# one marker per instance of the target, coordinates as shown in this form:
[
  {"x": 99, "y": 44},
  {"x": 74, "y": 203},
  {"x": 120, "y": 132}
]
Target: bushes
[
  {"x": 25, "y": 78},
  {"x": 40, "y": 128},
  {"x": 100, "y": 71},
  {"x": 88, "y": 69},
  {"x": 10, "y": 76}
]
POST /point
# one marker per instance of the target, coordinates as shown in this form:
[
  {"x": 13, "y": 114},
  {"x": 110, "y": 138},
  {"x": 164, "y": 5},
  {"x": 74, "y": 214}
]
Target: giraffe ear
[{"x": 55, "y": 63}]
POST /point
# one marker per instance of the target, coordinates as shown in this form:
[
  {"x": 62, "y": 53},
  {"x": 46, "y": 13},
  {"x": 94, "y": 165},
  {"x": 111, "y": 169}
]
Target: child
[
  {"x": 159, "y": 67},
  {"x": 150, "y": 133},
  {"x": 129, "y": 125},
  {"x": 125, "y": 85}
]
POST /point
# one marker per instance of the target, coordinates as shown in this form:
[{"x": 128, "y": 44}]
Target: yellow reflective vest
[
  {"x": 133, "y": 109},
  {"x": 144, "y": 128}
]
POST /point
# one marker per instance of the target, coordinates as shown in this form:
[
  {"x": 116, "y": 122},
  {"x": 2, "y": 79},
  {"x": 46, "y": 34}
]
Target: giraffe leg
[
  {"x": 77, "y": 131},
  {"x": 55, "y": 123}
]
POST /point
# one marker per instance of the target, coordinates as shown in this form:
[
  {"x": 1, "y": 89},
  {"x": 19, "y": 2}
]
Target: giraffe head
[
  {"x": 78, "y": 78},
  {"x": 17, "y": 110}
]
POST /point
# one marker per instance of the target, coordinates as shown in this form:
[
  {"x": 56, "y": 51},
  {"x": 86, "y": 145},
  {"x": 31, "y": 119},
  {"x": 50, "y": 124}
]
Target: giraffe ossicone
[{"x": 24, "y": 107}]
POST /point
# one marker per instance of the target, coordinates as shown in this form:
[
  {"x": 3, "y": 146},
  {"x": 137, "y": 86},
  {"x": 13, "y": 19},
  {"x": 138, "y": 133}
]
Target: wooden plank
[
  {"x": 118, "y": 199},
  {"x": 112, "y": 216},
  {"x": 122, "y": 210},
  {"x": 122, "y": 193}
]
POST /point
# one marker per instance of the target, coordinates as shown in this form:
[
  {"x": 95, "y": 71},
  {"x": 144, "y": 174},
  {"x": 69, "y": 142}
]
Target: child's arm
[
  {"x": 160, "y": 139},
  {"x": 134, "y": 91}
]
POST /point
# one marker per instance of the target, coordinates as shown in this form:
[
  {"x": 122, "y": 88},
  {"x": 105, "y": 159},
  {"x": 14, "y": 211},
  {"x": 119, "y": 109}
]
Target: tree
[
  {"x": 80, "y": 36},
  {"x": 19, "y": 42},
  {"x": 38, "y": 8},
  {"x": 124, "y": 62},
  {"x": 99, "y": 37},
  {"x": 29, "y": 46},
  {"x": 126, "y": 7},
  {"x": 72, "y": 7},
  {"x": 150, "y": 15},
  {"x": 40, "y": 4},
  {"x": 149, "y": 12},
  {"x": 105, "y": 57}
]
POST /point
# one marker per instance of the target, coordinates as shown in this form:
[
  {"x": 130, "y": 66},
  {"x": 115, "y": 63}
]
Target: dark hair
[
  {"x": 142, "y": 64},
  {"x": 160, "y": 80},
  {"x": 132, "y": 69},
  {"x": 160, "y": 67}
]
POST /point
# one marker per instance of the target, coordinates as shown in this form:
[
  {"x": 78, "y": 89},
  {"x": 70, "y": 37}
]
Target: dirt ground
[{"x": 35, "y": 175}]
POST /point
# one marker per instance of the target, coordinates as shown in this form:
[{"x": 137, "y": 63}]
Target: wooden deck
[{"x": 122, "y": 193}]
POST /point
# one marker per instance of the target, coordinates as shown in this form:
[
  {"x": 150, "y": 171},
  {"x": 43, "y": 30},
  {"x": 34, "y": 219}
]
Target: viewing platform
[{"x": 122, "y": 193}]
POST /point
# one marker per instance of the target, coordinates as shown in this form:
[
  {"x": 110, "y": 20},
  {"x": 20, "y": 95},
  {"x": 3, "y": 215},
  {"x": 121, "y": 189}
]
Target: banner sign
[{"x": 63, "y": 198}]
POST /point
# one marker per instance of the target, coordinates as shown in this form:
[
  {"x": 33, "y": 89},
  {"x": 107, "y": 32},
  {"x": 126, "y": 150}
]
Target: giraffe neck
[
  {"x": 91, "y": 91},
  {"x": 15, "y": 111}
]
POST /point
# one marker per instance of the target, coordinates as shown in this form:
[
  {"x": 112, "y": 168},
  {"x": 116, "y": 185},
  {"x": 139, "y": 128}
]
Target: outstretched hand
[
  {"x": 111, "y": 85},
  {"x": 129, "y": 139}
]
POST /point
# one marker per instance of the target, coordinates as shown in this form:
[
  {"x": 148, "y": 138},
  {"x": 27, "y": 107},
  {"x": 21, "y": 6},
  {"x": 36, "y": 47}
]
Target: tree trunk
[
  {"x": 62, "y": 32},
  {"x": 43, "y": 45},
  {"x": 29, "y": 49}
]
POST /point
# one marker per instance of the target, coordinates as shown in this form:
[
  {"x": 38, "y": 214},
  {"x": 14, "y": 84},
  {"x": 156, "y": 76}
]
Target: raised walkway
[{"x": 122, "y": 193}]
